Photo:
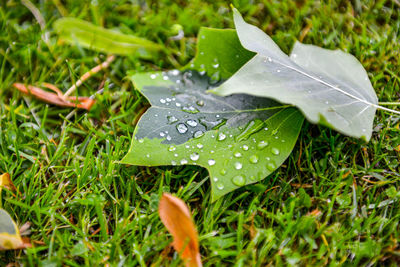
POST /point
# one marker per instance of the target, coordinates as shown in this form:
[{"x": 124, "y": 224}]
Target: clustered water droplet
[{"x": 194, "y": 156}]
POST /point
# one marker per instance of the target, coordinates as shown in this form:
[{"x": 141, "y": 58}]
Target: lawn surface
[{"x": 334, "y": 201}]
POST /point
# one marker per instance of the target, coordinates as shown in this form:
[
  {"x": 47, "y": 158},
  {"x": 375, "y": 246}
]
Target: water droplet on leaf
[
  {"x": 239, "y": 180},
  {"x": 211, "y": 162},
  {"x": 253, "y": 159},
  {"x": 181, "y": 128},
  {"x": 262, "y": 144}
]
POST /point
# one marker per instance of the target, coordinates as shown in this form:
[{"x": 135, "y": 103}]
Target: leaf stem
[
  {"x": 388, "y": 109},
  {"x": 389, "y": 103}
]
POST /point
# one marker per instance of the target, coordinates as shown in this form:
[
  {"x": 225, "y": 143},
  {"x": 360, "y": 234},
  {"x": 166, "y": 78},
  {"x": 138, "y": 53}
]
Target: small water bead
[
  {"x": 211, "y": 162},
  {"x": 201, "y": 53},
  {"x": 221, "y": 136},
  {"x": 364, "y": 130},
  {"x": 268, "y": 158},
  {"x": 198, "y": 134},
  {"x": 275, "y": 151},
  {"x": 173, "y": 163},
  {"x": 172, "y": 148},
  {"x": 162, "y": 101},
  {"x": 168, "y": 138},
  {"x": 222, "y": 171},
  {"x": 192, "y": 123},
  {"x": 238, "y": 165},
  {"x": 174, "y": 72},
  {"x": 278, "y": 70},
  {"x": 217, "y": 116},
  {"x": 283, "y": 141},
  {"x": 220, "y": 186},
  {"x": 253, "y": 178},
  {"x": 190, "y": 109},
  {"x": 153, "y": 76},
  {"x": 276, "y": 137},
  {"x": 253, "y": 159},
  {"x": 237, "y": 154},
  {"x": 200, "y": 103},
  {"x": 178, "y": 104},
  {"x": 271, "y": 166},
  {"x": 239, "y": 180},
  {"x": 148, "y": 155},
  {"x": 165, "y": 78},
  {"x": 262, "y": 144},
  {"x": 168, "y": 99},
  {"x": 140, "y": 140},
  {"x": 194, "y": 156},
  {"x": 172, "y": 119},
  {"x": 215, "y": 66},
  {"x": 245, "y": 147},
  {"x": 181, "y": 128},
  {"x": 199, "y": 145},
  {"x": 187, "y": 146},
  {"x": 184, "y": 161},
  {"x": 162, "y": 134},
  {"x": 175, "y": 155},
  {"x": 215, "y": 179},
  {"x": 327, "y": 102},
  {"x": 270, "y": 59},
  {"x": 266, "y": 129},
  {"x": 212, "y": 152}
]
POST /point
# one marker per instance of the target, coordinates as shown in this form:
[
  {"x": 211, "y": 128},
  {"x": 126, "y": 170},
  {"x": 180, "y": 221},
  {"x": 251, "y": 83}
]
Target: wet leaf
[
  {"x": 240, "y": 139},
  {"x": 219, "y": 53},
  {"x": 176, "y": 217},
  {"x": 77, "y": 31},
  {"x": 329, "y": 87},
  {"x": 9, "y": 234}
]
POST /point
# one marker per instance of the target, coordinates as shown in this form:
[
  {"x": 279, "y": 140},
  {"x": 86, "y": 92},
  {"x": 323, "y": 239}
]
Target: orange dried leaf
[
  {"x": 176, "y": 217},
  {"x": 5, "y": 181},
  {"x": 55, "y": 98}
]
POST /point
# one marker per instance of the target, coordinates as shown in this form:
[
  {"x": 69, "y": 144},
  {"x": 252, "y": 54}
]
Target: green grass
[{"x": 335, "y": 201}]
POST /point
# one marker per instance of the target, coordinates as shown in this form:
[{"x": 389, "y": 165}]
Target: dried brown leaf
[{"x": 177, "y": 219}]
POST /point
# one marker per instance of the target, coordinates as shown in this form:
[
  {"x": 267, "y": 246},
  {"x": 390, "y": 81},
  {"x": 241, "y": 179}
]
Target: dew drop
[
  {"x": 271, "y": 166},
  {"x": 148, "y": 156},
  {"x": 174, "y": 72},
  {"x": 237, "y": 154},
  {"x": 198, "y": 134},
  {"x": 221, "y": 136},
  {"x": 215, "y": 66},
  {"x": 212, "y": 152},
  {"x": 168, "y": 138},
  {"x": 239, "y": 180},
  {"x": 141, "y": 140},
  {"x": 211, "y": 162},
  {"x": 222, "y": 171},
  {"x": 238, "y": 165},
  {"x": 192, "y": 123},
  {"x": 278, "y": 70},
  {"x": 266, "y": 129},
  {"x": 364, "y": 130},
  {"x": 245, "y": 147},
  {"x": 175, "y": 155},
  {"x": 200, "y": 103},
  {"x": 199, "y": 145},
  {"x": 270, "y": 59},
  {"x": 184, "y": 161},
  {"x": 172, "y": 148},
  {"x": 253, "y": 159},
  {"x": 181, "y": 128},
  {"x": 178, "y": 104},
  {"x": 162, "y": 101},
  {"x": 327, "y": 102},
  {"x": 153, "y": 76},
  {"x": 190, "y": 109},
  {"x": 275, "y": 151},
  {"x": 168, "y": 99},
  {"x": 252, "y": 178},
  {"x": 162, "y": 134},
  {"x": 194, "y": 156},
  {"x": 215, "y": 179},
  {"x": 262, "y": 144},
  {"x": 220, "y": 186},
  {"x": 173, "y": 163},
  {"x": 172, "y": 119},
  {"x": 165, "y": 78}
]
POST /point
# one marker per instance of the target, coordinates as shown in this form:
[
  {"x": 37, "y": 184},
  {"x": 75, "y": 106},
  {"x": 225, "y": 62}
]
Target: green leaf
[
  {"x": 219, "y": 53},
  {"x": 329, "y": 87},
  {"x": 77, "y": 31},
  {"x": 240, "y": 139},
  {"x": 9, "y": 233}
]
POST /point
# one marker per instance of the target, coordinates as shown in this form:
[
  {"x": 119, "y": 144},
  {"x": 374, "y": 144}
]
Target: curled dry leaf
[
  {"x": 55, "y": 98},
  {"x": 176, "y": 216},
  {"x": 5, "y": 181},
  {"x": 10, "y": 237}
]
